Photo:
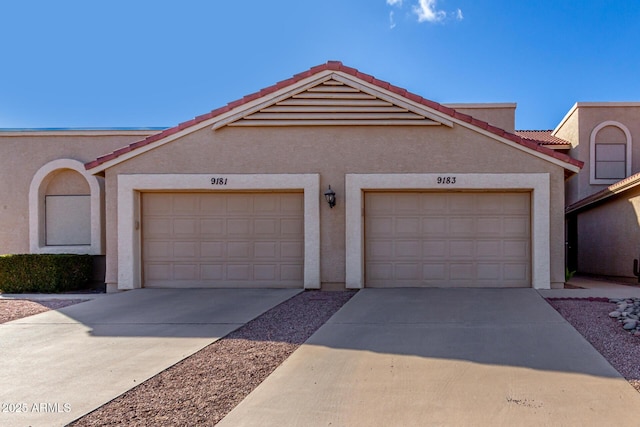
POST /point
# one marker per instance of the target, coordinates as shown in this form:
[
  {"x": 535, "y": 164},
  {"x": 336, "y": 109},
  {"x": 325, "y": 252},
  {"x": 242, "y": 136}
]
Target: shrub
[{"x": 47, "y": 273}]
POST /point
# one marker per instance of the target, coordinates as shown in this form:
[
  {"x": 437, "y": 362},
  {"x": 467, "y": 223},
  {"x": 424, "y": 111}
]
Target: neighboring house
[
  {"x": 426, "y": 194},
  {"x": 603, "y": 201}
]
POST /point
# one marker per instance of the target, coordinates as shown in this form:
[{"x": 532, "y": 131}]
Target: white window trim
[
  {"x": 37, "y": 192},
  {"x": 538, "y": 184},
  {"x": 131, "y": 186},
  {"x": 592, "y": 152}
]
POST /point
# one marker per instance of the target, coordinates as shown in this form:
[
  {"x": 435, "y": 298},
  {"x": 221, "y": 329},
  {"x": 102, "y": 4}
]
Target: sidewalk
[{"x": 593, "y": 288}]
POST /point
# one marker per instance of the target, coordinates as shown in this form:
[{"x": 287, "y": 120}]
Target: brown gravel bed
[
  {"x": 591, "y": 318},
  {"x": 13, "y": 309},
  {"x": 203, "y": 388}
]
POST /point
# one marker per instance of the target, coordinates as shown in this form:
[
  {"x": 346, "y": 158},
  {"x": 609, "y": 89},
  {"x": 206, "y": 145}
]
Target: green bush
[{"x": 48, "y": 273}]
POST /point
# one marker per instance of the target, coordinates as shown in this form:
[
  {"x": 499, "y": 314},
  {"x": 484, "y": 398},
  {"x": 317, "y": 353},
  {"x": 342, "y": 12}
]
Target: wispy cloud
[{"x": 426, "y": 11}]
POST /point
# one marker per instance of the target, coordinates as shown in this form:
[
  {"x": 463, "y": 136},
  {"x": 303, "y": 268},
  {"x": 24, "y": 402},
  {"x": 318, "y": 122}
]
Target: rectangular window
[
  {"x": 610, "y": 161},
  {"x": 68, "y": 220}
]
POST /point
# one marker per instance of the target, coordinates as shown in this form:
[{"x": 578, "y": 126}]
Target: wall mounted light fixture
[{"x": 330, "y": 196}]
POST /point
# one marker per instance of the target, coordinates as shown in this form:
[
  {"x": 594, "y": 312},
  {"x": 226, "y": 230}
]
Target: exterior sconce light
[{"x": 330, "y": 196}]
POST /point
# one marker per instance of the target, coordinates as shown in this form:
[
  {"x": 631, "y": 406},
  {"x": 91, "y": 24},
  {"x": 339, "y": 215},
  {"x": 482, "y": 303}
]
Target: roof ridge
[{"x": 338, "y": 66}]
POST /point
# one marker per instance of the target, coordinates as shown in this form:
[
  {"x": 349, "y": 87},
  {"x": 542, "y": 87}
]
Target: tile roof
[
  {"x": 541, "y": 136},
  {"x": 615, "y": 188},
  {"x": 338, "y": 66}
]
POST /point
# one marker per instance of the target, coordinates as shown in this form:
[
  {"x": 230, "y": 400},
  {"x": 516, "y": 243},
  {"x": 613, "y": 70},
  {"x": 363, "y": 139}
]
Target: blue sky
[{"x": 140, "y": 63}]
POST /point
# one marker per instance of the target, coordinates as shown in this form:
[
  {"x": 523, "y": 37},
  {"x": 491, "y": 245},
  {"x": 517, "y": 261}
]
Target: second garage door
[
  {"x": 452, "y": 239},
  {"x": 223, "y": 239}
]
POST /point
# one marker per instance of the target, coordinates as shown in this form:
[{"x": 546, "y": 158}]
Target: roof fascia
[{"x": 600, "y": 196}]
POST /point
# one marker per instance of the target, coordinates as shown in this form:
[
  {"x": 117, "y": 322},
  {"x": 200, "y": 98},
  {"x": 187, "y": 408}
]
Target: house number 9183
[
  {"x": 446, "y": 180},
  {"x": 218, "y": 181}
]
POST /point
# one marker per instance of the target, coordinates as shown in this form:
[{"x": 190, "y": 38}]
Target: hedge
[{"x": 47, "y": 273}]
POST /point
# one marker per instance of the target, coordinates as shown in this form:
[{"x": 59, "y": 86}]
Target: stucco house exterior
[
  {"x": 603, "y": 201},
  {"x": 426, "y": 194}
]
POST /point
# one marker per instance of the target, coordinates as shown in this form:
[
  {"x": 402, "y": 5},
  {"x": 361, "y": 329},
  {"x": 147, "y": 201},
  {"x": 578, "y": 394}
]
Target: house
[
  {"x": 603, "y": 201},
  {"x": 426, "y": 194}
]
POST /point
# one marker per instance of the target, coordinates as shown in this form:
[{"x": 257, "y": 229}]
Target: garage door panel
[
  {"x": 185, "y": 249},
  {"x": 211, "y": 272},
  {"x": 212, "y": 227},
  {"x": 517, "y": 226},
  {"x": 462, "y": 249},
  {"x": 239, "y": 226},
  {"x": 294, "y": 249},
  {"x": 266, "y": 227},
  {"x": 516, "y": 272},
  {"x": 293, "y": 226},
  {"x": 264, "y": 250},
  {"x": 516, "y": 249},
  {"x": 185, "y": 227},
  {"x": 265, "y": 272},
  {"x": 408, "y": 249},
  {"x": 157, "y": 227},
  {"x": 212, "y": 249},
  {"x": 186, "y": 271},
  {"x": 185, "y": 204},
  {"x": 456, "y": 239},
  {"x": 381, "y": 249},
  {"x": 435, "y": 249},
  {"x": 434, "y": 226},
  {"x": 241, "y": 250},
  {"x": 461, "y": 226},
  {"x": 223, "y": 239}
]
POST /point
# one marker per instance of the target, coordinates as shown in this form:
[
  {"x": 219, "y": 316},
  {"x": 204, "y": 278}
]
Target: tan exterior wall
[
  {"x": 500, "y": 115},
  {"x": 609, "y": 237},
  {"x": 577, "y": 129},
  {"x": 22, "y": 154},
  {"x": 333, "y": 152}
]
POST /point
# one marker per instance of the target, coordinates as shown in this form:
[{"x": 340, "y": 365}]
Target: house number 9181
[
  {"x": 446, "y": 180},
  {"x": 218, "y": 181}
]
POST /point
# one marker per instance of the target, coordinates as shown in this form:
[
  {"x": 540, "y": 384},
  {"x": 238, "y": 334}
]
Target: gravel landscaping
[
  {"x": 203, "y": 388},
  {"x": 13, "y": 309},
  {"x": 591, "y": 318}
]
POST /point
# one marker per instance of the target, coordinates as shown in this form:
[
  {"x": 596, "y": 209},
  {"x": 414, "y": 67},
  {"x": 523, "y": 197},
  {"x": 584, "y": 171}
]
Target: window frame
[{"x": 593, "y": 161}]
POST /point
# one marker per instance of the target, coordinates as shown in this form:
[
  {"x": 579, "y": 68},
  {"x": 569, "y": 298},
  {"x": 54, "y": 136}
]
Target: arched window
[
  {"x": 65, "y": 205},
  {"x": 610, "y": 153}
]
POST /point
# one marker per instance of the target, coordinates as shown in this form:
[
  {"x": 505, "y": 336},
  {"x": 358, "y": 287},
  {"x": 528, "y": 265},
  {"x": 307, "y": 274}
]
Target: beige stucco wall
[
  {"x": 609, "y": 237},
  {"x": 577, "y": 129},
  {"x": 333, "y": 152},
  {"x": 501, "y": 115},
  {"x": 22, "y": 154}
]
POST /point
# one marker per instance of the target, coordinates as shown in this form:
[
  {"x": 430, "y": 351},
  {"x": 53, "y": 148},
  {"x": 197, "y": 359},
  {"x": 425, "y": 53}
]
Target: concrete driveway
[
  {"x": 60, "y": 365},
  {"x": 443, "y": 357}
]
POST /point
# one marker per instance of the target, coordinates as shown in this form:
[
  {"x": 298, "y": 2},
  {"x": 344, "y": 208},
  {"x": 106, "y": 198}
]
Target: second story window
[{"x": 610, "y": 153}]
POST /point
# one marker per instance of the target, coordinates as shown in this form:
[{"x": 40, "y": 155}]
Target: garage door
[
  {"x": 452, "y": 239},
  {"x": 223, "y": 239}
]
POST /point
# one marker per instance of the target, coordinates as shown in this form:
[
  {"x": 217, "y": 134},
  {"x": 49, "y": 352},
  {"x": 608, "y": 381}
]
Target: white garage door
[
  {"x": 223, "y": 239},
  {"x": 452, "y": 239}
]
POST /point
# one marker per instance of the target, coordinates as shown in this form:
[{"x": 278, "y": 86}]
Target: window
[
  {"x": 610, "y": 159},
  {"x": 65, "y": 209}
]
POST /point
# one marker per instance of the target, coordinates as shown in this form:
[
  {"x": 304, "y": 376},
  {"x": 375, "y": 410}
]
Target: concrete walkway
[
  {"x": 443, "y": 357},
  {"x": 590, "y": 287},
  {"x": 59, "y": 365}
]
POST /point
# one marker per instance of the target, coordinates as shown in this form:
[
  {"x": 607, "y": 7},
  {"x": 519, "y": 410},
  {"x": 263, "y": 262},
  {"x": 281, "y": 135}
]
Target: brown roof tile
[{"x": 530, "y": 139}]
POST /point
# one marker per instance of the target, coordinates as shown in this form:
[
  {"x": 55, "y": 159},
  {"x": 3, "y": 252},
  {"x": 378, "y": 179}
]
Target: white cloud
[
  {"x": 459, "y": 15},
  {"x": 392, "y": 23},
  {"x": 426, "y": 11},
  {"x": 394, "y": 2}
]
